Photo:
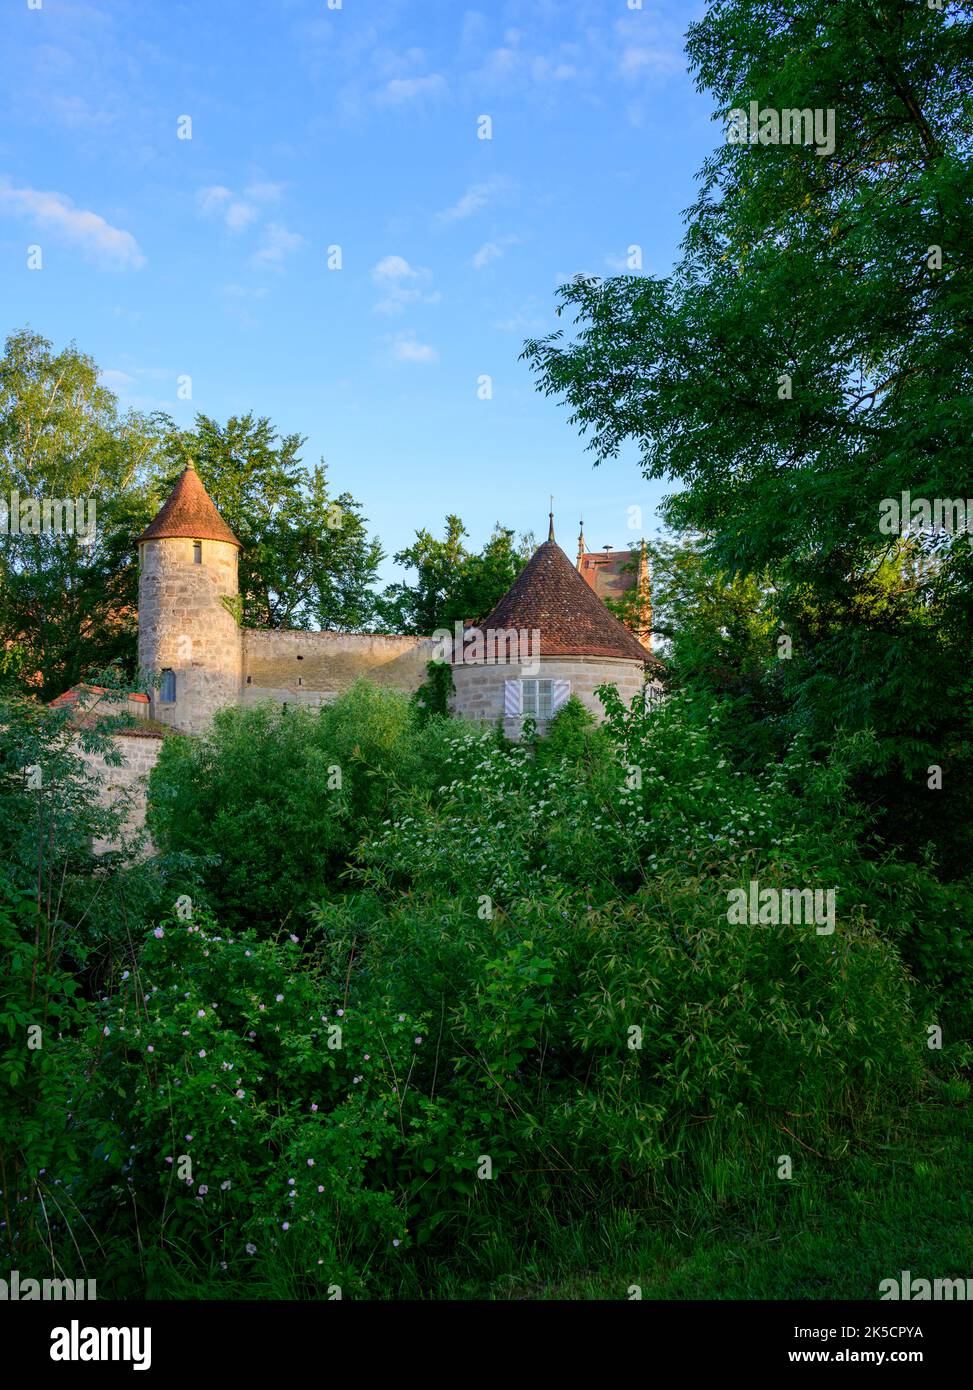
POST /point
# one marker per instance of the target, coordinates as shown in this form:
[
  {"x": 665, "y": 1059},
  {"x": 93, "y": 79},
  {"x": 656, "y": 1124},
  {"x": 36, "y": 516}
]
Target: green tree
[
  {"x": 453, "y": 583},
  {"x": 67, "y": 603},
  {"x": 307, "y": 560},
  {"x": 811, "y": 356}
]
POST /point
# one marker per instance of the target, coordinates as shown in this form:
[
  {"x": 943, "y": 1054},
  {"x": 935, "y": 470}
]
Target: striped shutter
[
  {"x": 560, "y": 690},
  {"x": 513, "y": 698}
]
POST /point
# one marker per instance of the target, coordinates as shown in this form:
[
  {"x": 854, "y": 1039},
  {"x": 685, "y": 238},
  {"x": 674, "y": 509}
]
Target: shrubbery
[
  {"x": 272, "y": 802},
  {"x": 526, "y": 954}
]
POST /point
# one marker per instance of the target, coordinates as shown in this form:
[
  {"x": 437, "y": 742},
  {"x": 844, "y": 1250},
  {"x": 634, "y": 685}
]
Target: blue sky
[{"x": 355, "y": 127}]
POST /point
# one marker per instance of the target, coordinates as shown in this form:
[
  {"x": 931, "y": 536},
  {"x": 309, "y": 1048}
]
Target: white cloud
[
  {"x": 394, "y": 268},
  {"x": 401, "y": 283},
  {"x": 649, "y": 45},
  {"x": 474, "y": 31},
  {"x": 243, "y": 291},
  {"x": 214, "y": 198},
  {"x": 263, "y": 192},
  {"x": 492, "y": 251},
  {"x": 619, "y": 264},
  {"x": 405, "y": 348},
  {"x": 239, "y": 215},
  {"x": 109, "y": 246},
  {"x": 402, "y": 89},
  {"x": 476, "y": 197},
  {"x": 637, "y": 59},
  {"x": 237, "y": 211},
  {"x": 277, "y": 243},
  {"x": 527, "y": 320},
  {"x": 217, "y": 201},
  {"x": 544, "y": 69}
]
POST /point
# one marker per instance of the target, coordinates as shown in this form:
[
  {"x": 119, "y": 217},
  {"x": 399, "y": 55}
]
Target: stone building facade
[
  {"x": 191, "y": 642},
  {"x": 549, "y": 637},
  {"x": 125, "y": 784},
  {"x": 122, "y": 784}
]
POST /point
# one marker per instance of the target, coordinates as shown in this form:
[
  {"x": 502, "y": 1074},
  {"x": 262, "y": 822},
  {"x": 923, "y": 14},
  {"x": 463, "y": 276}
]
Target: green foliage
[
  {"x": 543, "y": 1005},
  {"x": 67, "y": 604},
  {"x": 432, "y": 697},
  {"x": 808, "y": 358},
  {"x": 42, "y": 1013},
  {"x": 550, "y": 1020},
  {"x": 572, "y": 736},
  {"x": 270, "y": 804},
  {"x": 307, "y": 561},
  {"x": 453, "y": 584},
  {"x": 51, "y": 948},
  {"x": 264, "y": 1110}
]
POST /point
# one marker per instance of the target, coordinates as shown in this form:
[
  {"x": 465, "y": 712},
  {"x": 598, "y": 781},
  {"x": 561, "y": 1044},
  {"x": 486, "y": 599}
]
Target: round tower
[
  {"x": 189, "y": 638},
  {"x": 548, "y": 638}
]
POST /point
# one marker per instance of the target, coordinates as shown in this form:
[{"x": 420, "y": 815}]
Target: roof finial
[
  {"x": 550, "y": 529},
  {"x": 190, "y": 466}
]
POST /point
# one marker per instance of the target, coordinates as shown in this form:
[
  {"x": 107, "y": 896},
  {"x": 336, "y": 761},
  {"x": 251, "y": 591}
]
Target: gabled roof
[
  {"x": 549, "y": 594},
  {"x": 88, "y": 712},
  {"x": 189, "y": 513}
]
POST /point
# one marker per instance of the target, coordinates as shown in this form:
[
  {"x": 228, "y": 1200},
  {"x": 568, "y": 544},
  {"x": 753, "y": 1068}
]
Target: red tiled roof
[
  {"x": 550, "y": 594},
  {"x": 72, "y": 696},
  {"x": 189, "y": 513},
  {"x": 84, "y": 718}
]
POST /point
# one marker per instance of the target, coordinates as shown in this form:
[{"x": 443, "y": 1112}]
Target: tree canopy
[
  {"x": 307, "y": 560},
  {"x": 68, "y": 598},
  {"x": 453, "y": 583},
  {"x": 810, "y": 357}
]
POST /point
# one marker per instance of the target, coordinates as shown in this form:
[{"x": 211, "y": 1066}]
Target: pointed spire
[
  {"x": 189, "y": 512},
  {"x": 581, "y": 543},
  {"x": 550, "y": 529}
]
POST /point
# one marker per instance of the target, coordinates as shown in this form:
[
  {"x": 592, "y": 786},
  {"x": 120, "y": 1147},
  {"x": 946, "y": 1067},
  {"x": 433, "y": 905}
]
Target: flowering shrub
[
  {"x": 255, "y": 1102},
  {"x": 664, "y": 792}
]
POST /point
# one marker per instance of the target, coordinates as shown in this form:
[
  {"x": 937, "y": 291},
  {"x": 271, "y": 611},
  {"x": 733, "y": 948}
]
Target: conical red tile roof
[
  {"x": 549, "y": 594},
  {"x": 190, "y": 513}
]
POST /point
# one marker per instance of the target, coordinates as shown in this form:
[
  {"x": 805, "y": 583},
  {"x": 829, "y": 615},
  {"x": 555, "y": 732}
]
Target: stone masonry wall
[
  {"x": 129, "y": 781},
  {"x": 288, "y": 665},
  {"x": 479, "y": 692}
]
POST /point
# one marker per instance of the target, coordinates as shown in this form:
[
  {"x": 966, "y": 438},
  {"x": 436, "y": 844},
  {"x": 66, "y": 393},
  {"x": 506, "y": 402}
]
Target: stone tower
[
  {"x": 189, "y": 638},
  {"x": 550, "y": 637}
]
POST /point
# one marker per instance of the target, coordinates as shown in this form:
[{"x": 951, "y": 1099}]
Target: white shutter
[
  {"x": 560, "y": 690},
  {"x": 513, "y": 699}
]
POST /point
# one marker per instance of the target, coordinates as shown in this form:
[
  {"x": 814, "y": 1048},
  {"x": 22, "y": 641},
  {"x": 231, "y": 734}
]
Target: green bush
[
  {"x": 272, "y": 802},
  {"x": 544, "y": 1006}
]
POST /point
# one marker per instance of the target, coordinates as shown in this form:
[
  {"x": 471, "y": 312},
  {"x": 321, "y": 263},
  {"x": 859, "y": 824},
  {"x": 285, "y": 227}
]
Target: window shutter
[
  {"x": 512, "y": 698},
  {"x": 560, "y": 690}
]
